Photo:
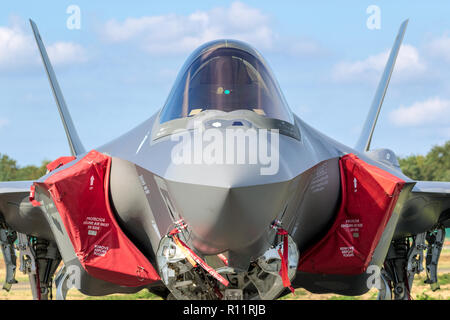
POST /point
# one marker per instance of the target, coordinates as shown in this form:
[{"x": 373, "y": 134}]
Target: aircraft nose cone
[
  {"x": 230, "y": 204},
  {"x": 234, "y": 218}
]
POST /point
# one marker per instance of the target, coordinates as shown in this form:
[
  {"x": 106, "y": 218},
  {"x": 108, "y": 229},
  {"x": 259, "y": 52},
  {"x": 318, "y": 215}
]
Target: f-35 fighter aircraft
[{"x": 224, "y": 193}]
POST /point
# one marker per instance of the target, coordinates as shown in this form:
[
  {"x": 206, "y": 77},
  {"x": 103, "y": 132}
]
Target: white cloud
[
  {"x": 180, "y": 34},
  {"x": 409, "y": 64},
  {"x": 15, "y": 47},
  {"x": 440, "y": 47},
  {"x": 66, "y": 52},
  {"x": 304, "y": 47},
  {"x": 174, "y": 33},
  {"x": 434, "y": 111},
  {"x": 3, "y": 122},
  {"x": 18, "y": 49}
]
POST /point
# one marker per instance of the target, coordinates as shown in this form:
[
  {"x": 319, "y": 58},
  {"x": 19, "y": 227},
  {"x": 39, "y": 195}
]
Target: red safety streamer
[
  {"x": 284, "y": 260},
  {"x": 192, "y": 256},
  {"x": 61, "y": 161},
  {"x": 38, "y": 284},
  {"x": 33, "y": 201},
  {"x": 223, "y": 258}
]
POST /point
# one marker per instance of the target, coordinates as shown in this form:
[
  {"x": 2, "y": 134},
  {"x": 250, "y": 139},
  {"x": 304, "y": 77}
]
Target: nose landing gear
[{"x": 266, "y": 277}]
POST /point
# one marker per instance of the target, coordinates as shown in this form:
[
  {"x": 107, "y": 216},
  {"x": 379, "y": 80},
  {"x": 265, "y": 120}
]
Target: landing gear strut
[
  {"x": 39, "y": 259},
  {"x": 405, "y": 259}
]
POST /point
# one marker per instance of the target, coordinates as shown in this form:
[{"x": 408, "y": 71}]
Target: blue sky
[{"x": 117, "y": 69}]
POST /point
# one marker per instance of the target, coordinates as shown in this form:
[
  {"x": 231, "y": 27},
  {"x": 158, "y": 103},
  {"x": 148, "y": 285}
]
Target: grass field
[{"x": 421, "y": 291}]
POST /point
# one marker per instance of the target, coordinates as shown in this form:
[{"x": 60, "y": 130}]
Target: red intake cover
[
  {"x": 369, "y": 195},
  {"x": 80, "y": 193}
]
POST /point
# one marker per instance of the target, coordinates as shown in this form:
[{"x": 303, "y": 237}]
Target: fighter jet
[{"x": 224, "y": 194}]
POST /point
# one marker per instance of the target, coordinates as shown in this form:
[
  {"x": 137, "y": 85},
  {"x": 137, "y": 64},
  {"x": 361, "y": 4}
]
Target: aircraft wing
[
  {"x": 12, "y": 193},
  {"x": 15, "y": 204},
  {"x": 14, "y": 187},
  {"x": 433, "y": 187},
  {"x": 437, "y": 195},
  {"x": 427, "y": 207}
]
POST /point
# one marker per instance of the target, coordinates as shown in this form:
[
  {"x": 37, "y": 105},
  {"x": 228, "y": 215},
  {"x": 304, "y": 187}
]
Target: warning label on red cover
[
  {"x": 347, "y": 251},
  {"x": 352, "y": 225},
  {"x": 95, "y": 224},
  {"x": 100, "y": 250}
]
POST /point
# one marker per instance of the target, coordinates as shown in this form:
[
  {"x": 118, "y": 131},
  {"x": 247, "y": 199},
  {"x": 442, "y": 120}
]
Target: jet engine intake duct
[
  {"x": 369, "y": 195},
  {"x": 80, "y": 193}
]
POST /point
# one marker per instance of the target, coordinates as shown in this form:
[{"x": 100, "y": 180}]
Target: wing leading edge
[{"x": 15, "y": 186}]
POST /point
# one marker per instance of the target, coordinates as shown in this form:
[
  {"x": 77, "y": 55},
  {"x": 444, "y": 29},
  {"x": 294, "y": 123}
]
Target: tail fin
[
  {"x": 365, "y": 138},
  {"x": 76, "y": 147}
]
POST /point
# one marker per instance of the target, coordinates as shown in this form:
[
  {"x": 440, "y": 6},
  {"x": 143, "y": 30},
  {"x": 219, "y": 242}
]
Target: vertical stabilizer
[
  {"x": 365, "y": 138},
  {"x": 76, "y": 147}
]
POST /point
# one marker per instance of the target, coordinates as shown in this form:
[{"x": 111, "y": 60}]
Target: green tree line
[
  {"x": 434, "y": 166},
  {"x": 10, "y": 171}
]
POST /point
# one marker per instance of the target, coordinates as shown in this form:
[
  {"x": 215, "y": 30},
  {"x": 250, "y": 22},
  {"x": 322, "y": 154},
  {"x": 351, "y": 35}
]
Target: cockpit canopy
[{"x": 226, "y": 76}]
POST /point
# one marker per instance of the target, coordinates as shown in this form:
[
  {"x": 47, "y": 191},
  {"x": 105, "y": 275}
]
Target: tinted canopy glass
[{"x": 226, "y": 79}]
